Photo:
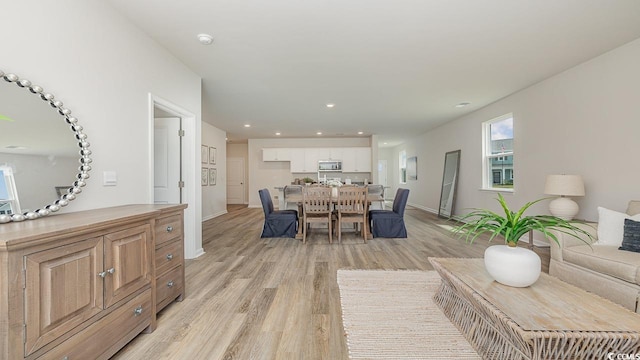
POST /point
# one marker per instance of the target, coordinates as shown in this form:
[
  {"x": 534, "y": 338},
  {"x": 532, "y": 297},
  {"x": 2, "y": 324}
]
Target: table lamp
[{"x": 564, "y": 186}]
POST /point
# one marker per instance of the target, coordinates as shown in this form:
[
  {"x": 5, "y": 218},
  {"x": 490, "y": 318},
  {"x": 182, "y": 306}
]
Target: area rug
[{"x": 391, "y": 315}]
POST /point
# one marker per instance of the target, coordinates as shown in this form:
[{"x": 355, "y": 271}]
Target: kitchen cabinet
[
  {"x": 276, "y": 154},
  {"x": 356, "y": 159},
  {"x": 304, "y": 160},
  {"x": 82, "y": 285},
  {"x": 329, "y": 153}
]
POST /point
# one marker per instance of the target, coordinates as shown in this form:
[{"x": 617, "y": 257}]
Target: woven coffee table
[{"x": 548, "y": 320}]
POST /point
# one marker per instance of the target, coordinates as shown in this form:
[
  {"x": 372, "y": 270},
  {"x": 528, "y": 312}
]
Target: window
[
  {"x": 497, "y": 135},
  {"x": 403, "y": 167}
]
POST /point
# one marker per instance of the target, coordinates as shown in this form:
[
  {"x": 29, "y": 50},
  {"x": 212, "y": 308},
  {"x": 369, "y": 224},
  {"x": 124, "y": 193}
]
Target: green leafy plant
[
  {"x": 513, "y": 225},
  {"x": 307, "y": 180}
]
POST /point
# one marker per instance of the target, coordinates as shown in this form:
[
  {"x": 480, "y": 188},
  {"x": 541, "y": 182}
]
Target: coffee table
[{"x": 547, "y": 320}]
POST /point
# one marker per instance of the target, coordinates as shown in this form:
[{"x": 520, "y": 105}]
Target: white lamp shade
[{"x": 564, "y": 185}]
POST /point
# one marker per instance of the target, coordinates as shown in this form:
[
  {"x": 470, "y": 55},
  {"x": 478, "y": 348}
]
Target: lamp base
[{"x": 564, "y": 208}]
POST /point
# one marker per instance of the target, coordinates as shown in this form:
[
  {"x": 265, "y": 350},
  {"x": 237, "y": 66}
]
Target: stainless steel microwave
[{"x": 330, "y": 165}]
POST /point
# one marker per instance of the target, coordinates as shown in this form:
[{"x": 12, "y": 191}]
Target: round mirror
[{"x": 39, "y": 145}]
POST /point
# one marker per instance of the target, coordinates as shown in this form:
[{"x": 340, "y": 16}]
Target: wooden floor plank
[{"x": 254, "y": 298}]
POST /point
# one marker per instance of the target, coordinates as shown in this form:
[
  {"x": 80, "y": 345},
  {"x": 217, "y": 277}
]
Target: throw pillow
[
  {"x": 631, "y": 239},
  {"x": 611, "y": 226}
]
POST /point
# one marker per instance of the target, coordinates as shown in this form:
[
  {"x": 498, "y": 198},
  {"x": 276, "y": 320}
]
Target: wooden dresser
[{"x": 82, "y": 285}]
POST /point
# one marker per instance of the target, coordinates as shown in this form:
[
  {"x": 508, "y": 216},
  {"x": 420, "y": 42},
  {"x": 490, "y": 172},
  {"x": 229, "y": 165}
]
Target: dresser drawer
[
  {"x": 119, "y": 327},
  {"x": 168, "y": 228},
  {"x": 169, "y": 286},
  {"x": 169, "y": 255}
]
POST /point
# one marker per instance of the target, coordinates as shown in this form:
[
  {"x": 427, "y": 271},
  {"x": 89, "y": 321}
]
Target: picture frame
[
  {"x": 412, "y": 168},
  {"x": 212, "y": 155},
  {"x": 204, "y": 154},
  {"x": 61, "y": 190},
  {"x": 213, "y": 175},
  {"x": 204, "y": 176}
]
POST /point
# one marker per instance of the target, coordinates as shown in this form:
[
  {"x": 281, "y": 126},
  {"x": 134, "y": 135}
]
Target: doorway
[{"x": 191, "y": 190}]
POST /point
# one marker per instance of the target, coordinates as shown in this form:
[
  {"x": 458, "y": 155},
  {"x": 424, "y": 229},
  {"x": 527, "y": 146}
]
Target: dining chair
[
  {"x": 376, "y": 195},
  {"x": 351, "y": 207},
  {"x": 316, "y": 208},
  {"x": 292, "y": 196},
  {"x": 277, "y": 223},
  {"x": 390, "y": 223}
]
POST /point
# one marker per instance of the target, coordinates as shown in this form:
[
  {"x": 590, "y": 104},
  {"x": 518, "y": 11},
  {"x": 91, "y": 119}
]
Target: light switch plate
[{"x": 110, "y": 178}]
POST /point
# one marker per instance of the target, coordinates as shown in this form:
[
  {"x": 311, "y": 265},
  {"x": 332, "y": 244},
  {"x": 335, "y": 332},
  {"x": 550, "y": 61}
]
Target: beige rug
[{"x": 391, "y": 315}]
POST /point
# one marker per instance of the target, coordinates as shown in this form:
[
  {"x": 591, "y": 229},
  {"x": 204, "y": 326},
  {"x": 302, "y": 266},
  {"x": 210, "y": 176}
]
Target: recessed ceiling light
[
  {"x": 330, "y": 105},
  {"x": 205, "y": 39},
  {"x": 319, "y": 133},
  {"x": 247, "y": 125},
  {"x": 226, "y": 139},
  {"x": 360, "y": 132},
  {"x": 462, "y": 104},
  {"x": 278, "y": 134},
  {"x": 384, "y": 143}
]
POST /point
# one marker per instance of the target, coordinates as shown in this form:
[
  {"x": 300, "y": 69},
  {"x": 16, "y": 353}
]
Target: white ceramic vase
[{"x": 513, "y": 266}]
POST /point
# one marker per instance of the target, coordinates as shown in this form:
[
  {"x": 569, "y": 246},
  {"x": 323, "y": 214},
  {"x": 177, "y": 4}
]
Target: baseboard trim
[{"x": 214, "y": 215}]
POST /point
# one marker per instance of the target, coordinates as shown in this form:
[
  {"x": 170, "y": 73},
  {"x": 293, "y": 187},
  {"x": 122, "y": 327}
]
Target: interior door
[
  {"x": 235, "y": 181},
  {"x": 167, "y": 161}
]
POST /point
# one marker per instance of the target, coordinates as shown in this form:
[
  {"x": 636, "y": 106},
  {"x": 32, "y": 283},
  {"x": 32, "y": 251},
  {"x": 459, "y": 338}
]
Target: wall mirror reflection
[
  {"x": 449, "y": 184},
  {"x": 42, "y": 148}
]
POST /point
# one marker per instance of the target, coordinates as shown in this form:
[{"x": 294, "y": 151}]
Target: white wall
[
  {"x": 583, "y": 121},
  {"x": 103, "y": 68},
  {"x": 269, "y": 174},
  {"x": 214, "y": 198}
]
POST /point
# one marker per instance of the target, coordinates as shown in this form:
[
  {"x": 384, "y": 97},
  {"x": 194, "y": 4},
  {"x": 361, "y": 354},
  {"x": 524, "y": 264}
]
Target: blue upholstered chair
[
  {"x": 281, "y": 223},
  {"x": 390, "y": 223}
]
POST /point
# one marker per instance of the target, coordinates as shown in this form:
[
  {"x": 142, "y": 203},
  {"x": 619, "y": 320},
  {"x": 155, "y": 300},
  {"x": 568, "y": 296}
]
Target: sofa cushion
[
  {"x": 631, "y": 239},
  {"x": 611, "y": 226},
  {"x": 606, "y": 259}
]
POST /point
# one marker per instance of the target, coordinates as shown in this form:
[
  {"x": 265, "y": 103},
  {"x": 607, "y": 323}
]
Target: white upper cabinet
[
  {"x": 276, "y": 154},
  {"x": 328, "y": 153},
  {"x": 356, "y": 159},
  {"x": 298, "y": 164},
  {"x": 305, "y": 160}
]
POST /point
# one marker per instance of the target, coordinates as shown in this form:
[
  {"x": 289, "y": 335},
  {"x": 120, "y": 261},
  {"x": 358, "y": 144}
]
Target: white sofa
[{"x": 602, "y": 269}]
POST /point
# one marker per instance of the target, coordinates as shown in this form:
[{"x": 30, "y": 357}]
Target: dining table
[{"x": 298, "y": 198}]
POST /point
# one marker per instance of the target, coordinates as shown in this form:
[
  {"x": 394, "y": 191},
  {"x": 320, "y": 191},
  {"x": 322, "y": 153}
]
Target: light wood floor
[{"x": 253, "y": 298}]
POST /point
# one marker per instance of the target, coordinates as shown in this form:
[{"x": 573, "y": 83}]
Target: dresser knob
[
  {"x": 137, "y": 311},
  {"x": 170, "y": 284},
  {"x": 169, "y": 256},
  {"x": 111, "y": 271},
  {"x": 102, "y": 274},
  {"x": 169, "y": 228}
]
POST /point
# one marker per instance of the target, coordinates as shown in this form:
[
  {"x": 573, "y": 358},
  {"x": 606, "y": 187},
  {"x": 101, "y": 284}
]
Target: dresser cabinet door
[
  {"x": 62, "y": 290},
  {"x": 127, "y": 262}
]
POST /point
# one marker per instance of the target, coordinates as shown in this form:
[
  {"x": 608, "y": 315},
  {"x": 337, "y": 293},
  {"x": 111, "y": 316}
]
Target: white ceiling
[{"x": 393, "y": 68}]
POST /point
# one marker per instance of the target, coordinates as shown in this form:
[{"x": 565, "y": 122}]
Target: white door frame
[{"x": 192, "y": 191}]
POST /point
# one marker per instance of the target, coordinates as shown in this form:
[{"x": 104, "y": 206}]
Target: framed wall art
[
  {"x": 204, "y": 154},
  {"x": 213, "y": 175},
  {"x": 212, "y": 155},
  {"x": 204, "y": 177}
]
